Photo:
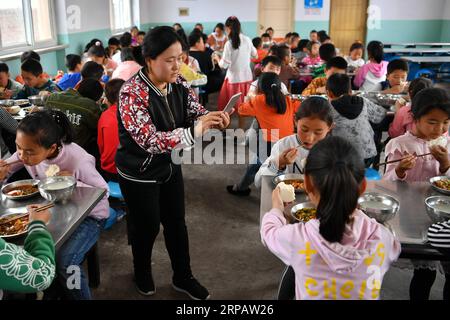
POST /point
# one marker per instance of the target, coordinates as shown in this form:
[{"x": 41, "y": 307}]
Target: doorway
[
  {"x": 278, "y": 14},
  {"x": 348, "y": 23}
]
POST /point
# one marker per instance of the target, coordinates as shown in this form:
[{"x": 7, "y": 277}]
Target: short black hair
[
  {"x": 337, "y": 62},
  {"x": 282, "y": 51},
  {"x": 295, "y": 35},
  {"x": 126, "y": 39},
  {"x": 288, "y": 35},
  {"x": 375, "y": 50},
  {"x": 315, "y": 107},
  {"x": 72, "y": 60},
  {"x": 113, "y": 41},
  {"x": 271, "y": 59},
  {"x": 29, "y": 55},
  {"x": 92, "y": 69},
  {"x": 158, "y": 39},
  {"x": 327, "y": 51},
  {"x": 194, "y": 37},
  {"x": 397, "y": 64},
  {"x": 356, "y": 45},
  {"x": 112, "y": 90},
  {"x": 141, "y": 33},
  {"x": 257, "y": 42},
  {"x": 322, "y": 34},
  {"x": 90, "y": 88},
  {"x": 428, "y": 99},
  {"x": 303, "y": 44},
  {"x": 97, "y": 51},
  {"x": 265, "y": 35},
  {"x": 313, "y": 31},
  {"x": 4, "y": 67},
  {"x": 32, "y": 66},
  {"x": 339, "y": 84},
  {"x": 418, "y": 85}
]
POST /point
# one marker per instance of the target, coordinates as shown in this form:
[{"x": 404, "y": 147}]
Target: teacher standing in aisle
[{"x": 158, "y": 113}]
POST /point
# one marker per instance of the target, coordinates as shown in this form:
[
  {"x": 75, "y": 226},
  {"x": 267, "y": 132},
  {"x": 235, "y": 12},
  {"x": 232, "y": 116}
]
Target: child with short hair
[
  {"x": 313, "y": 57},
  {"x": 140, "y": 38},
  {"x": 257, "y": 43},
  {"x": 8, "y": 87},
  {"x": 326, "y": 52},
  {"x": 354, "y": 59},
  {"x": 288, "y": 72},
  {"x": 35, "y": 80},
  {"x": 318, "y": 85},
  {"x": 397, "y": 73},
  {"x": 403, "y": 119},
  {"x": 113, "y": 46},
  {"x": 98, "y": 54},
  {"x": 43, "y": 139},
  {"x": 266, "y": 41},
  {"x": 268, "y": 64},
  {"x": 24, "y": 57},
  {"x": 313, "y": 36},
  {"x": 431, "y": 112},
  {"x": 332, "y": 254},
  {"x": 353, "y": 116},
  {"x": 108, "y": 131},
  {"x": 370, "y": 76},
  {"x": 73, "y": 76}
]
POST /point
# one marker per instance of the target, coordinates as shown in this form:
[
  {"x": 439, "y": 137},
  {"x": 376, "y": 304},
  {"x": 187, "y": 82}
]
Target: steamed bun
[{"x": 287, "y": 192}]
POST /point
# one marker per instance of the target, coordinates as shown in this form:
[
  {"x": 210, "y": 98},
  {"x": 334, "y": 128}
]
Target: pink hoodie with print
[
  {"x": 352, "y": 269},
  {"x": 371, "y": 72}
]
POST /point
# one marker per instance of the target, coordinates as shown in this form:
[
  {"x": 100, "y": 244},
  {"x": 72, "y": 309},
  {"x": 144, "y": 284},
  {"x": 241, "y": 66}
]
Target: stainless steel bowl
[
  {"x": 57, "y": 189},
  {"x": 287, "y": 177},
  {"x": 38, "y": 100},
  {"x": 379, "y": 206},
  {"x": 435, "y": 187},
  {"x": 438, "y": 208},
  {"x": 7, "y": 103},
  {"x": 301, "y": 206},
  {"x": 11, "y": 186}
]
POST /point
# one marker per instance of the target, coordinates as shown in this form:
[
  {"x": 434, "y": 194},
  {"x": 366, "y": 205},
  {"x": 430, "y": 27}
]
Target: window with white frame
[
  {"x": 121, "y": 15},
  {"x": 26, "y": 24}
]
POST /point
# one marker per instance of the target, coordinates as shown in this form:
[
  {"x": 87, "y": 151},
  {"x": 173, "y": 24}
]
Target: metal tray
[
  {"x": 288, "y": 177},
  {"x": 435, "y": 187},
  {"x": 10, "y": 213},
  {"x": 10, "y": 186},
  {"x": 301, "y": 206}
]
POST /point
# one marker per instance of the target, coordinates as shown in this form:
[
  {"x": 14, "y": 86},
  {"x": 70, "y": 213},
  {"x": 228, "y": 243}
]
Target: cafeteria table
[{"x": 410, "y": 224}]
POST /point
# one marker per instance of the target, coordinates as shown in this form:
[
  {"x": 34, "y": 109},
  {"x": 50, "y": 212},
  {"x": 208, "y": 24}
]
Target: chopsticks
[
  {"x": 398, "y": 160},
  {"x": 20, "y": 216},
  {"x": 11, "y": 163}
]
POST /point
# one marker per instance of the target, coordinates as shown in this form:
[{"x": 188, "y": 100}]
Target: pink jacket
[
  {"x": 352, "y": 269},
  {"x": 125, "y": 70},
  {"x": 312, "y": 61},
  {"x": 426, "y": 167},
  {"x": 76, "y": 160},
  {"x": 403, "y": 122},
  {"x": 377, "y": 71}
]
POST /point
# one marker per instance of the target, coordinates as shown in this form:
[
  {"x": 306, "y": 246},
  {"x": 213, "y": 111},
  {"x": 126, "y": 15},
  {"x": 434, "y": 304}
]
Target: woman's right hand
[
  {"x": 4, "y": 169},
  {"x": 287, "y": 157},
  {"x": 43, "y": 216},
  {"x": 207, "y": 122},
  {"x": 408, "y": 162}
]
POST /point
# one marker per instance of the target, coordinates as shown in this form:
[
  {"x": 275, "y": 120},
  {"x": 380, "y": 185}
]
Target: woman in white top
[
  {"x": 236, "y": 59},
  {"x": 218, "y": 38}
]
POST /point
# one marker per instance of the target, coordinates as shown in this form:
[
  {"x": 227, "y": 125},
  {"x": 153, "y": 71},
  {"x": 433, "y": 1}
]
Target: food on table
[
  {"x": 287, "y": 192},
  {"x": 306, "y": 214},
  {"x": 443, "y": 184},
  {"x": 13, "y": 227},
  {"x": 52, "y": 170},
  {"x": 24, "y": 190},
  {"x": 297, "y": 184},
  {"x": 58, "y": 185},
  {"x": 441, "y": 141}
]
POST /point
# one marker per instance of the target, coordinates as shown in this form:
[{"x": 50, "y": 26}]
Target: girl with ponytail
[
  {"x": 237, "y": 53},
  {"x": 44, "y": 139},
  {"x": 342, "y": 253}
]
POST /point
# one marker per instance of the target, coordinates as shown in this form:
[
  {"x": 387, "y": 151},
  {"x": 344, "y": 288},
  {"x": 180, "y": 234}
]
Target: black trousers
[{"x": 149, "y": 206}]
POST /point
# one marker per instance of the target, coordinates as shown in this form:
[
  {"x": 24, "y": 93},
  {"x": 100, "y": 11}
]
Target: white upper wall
[
  {"x": 411, "y": 9},
  {"x": 94, "y": 15},
  {"x": 300, "y": 12},
  {"x": 199, "y": 10},
  {"x": 447, "y": 10}
]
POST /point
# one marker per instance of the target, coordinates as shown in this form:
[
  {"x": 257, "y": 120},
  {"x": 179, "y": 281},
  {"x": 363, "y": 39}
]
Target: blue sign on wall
[{"x": 313, "y": 4}]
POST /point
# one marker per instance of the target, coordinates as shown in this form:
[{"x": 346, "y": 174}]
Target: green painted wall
[
  {"x": 407, "y": 31},
  {"x": 303, "y": 28},
  {"x": 445, "y": 36},
  {"x": 249, "y": 28}
]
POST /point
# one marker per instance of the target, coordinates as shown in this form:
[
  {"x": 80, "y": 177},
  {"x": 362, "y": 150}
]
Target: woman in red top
[{"x": 108, "y": 131}]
